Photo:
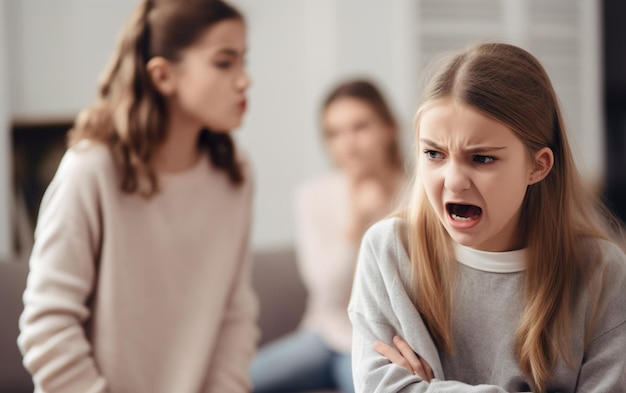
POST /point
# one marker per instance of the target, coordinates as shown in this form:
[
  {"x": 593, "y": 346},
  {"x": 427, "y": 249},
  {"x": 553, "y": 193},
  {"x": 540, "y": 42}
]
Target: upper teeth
[{"x": 460, "y": 218}]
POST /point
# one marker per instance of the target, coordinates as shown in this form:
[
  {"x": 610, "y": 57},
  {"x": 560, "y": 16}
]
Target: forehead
[
  {"x": 451, "y": 123},
  {"x": 227, "y": 35},
  {"x": 347, "y": 108}
]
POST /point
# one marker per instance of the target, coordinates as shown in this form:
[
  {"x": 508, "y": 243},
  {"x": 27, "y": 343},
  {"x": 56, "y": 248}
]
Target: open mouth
[{"x": 461, "y": 212}]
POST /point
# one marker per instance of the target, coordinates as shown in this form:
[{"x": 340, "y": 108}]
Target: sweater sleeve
[
  {"x": 238, "y": 335},
  {"x": 604, "y": 364},
  {"x": 307, "y": 242},
  {"x": 380, "y": 308},
  {"x": 312, "y": 245},
  {"x": 62, "y": 273}
]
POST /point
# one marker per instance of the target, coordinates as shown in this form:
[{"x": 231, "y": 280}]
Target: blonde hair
[
  {"x": 509, "y": 85},
  {"x": 131, "y": 116}
]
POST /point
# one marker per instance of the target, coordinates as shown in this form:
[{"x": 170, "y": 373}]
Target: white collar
[{"x": 494, "y": 262}]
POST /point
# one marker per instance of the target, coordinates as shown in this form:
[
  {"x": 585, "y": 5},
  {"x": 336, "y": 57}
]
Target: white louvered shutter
[{"x": 563, "y": 34}]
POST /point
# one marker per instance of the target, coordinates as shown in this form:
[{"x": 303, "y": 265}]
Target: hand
[
  {"x": 406, "y": 358},
  {"x": 369, "y": 202}
]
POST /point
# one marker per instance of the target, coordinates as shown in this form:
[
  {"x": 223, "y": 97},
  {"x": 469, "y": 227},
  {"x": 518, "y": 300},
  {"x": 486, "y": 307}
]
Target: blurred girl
[
  {"x": 332, "y": 213},
  {"x": 138, "y": 278},
  {"x": 500, "y": 275}
]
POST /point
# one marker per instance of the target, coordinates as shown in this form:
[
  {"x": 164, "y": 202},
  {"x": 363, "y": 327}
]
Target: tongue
[{"x": 467, "y": 210}]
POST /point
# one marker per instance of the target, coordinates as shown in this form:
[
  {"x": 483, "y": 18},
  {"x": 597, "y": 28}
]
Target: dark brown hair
[
  {"x": 131, "y": 116},
  {"x": 367, "y": 92}
]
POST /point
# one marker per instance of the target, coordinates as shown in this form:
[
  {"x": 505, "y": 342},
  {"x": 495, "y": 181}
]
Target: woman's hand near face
[
  {"x": 404, "y": 356},
  {"x": 370, "y": 199},
  {"x": 370, "y": 202}
]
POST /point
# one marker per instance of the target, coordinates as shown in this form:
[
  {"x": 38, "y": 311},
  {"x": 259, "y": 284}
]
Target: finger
[
  {"x": 419, "y": 371},
  {"x": 427, "y": 369},
  {"x": 407, "y": 352},
  {"x": 392, "y": 355}
]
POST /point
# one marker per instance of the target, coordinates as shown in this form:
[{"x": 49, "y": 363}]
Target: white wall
[
  {"x": 298, "y": 50},
  {"x": 59, "y": 49},
  {"x": 279, "y": 132}
]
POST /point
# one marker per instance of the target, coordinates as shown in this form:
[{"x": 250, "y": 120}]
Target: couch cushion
[
  {"x": 282, "y": 295},
  {"x": 13, "y": 377}
]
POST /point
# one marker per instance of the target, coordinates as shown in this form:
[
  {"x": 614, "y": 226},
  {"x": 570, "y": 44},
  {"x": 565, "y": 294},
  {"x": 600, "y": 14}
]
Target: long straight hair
[
  {"x": 131, "y": 115},
  {"x": 558, "y": 217}
]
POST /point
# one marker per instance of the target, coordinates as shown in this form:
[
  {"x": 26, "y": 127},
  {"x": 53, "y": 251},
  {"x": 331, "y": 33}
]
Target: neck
[{"x": 179, "y": 151}]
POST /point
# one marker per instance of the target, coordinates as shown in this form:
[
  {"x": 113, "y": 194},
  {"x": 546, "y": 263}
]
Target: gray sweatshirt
[{"x": 488, "y": 305}]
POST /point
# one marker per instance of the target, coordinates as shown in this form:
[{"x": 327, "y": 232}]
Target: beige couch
[{"x": 282, "y": 296}]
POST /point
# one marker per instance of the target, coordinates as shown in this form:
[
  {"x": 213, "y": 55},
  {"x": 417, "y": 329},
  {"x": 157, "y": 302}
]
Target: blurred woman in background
[{"x": 333, "y": 212}]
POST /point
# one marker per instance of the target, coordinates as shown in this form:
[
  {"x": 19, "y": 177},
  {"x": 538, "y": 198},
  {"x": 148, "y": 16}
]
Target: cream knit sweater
[{"x": 133, "y": 295}]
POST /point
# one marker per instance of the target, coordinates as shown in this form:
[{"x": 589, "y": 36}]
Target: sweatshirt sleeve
[
  {"x": 62, "y": 272},
  {"x": 238, "y": 335},
  {"x": 604, "y": 363},
  {"x": 604, "y": 366},
  {"x": 381, "y": 308}
]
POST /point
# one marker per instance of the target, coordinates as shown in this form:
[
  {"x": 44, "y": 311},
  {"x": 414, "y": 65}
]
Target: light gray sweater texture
[{"x": 486, "y": 314}]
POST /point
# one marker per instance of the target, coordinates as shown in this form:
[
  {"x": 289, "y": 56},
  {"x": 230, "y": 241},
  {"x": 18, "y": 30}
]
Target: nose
[
  {"x": 456, "y": 179},
  {"x": 244, "y": 81}
]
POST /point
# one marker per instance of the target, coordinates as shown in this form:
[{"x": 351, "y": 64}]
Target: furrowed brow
[
  {"x": 431, "y": 143},
  {"x": 483, "y": 149},
  {"x": 470, "y": 150}
]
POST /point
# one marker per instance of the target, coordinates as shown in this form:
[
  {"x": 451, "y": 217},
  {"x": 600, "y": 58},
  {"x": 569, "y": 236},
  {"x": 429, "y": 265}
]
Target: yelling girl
[{"x": 500, "y": 275}]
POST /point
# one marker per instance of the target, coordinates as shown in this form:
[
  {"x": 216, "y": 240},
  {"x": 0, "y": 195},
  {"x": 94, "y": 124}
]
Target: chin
[
  {"x": 224, "y": 125},
  {"x": 362, "y": 171},
  {"x": 464, "y": 239},
  {"x": 357, "y": 174},
  {"x": 223, "y": 128}
]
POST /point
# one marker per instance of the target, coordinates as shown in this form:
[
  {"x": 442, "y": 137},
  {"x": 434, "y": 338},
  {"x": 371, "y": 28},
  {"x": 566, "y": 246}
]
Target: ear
[
  {"x": 161, "y": 73},
  {"x": 544, "y": 160}
]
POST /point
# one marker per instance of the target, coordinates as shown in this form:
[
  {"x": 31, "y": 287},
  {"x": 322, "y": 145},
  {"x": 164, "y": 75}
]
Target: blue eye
[
  {"x": 484, "y": 159},
  {"x": 433, "y": 155}
]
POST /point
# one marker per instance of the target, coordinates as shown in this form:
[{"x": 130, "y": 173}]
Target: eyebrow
[
  {"x": 230, "y": 52},
  {"x": 472, "y": 150}
]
